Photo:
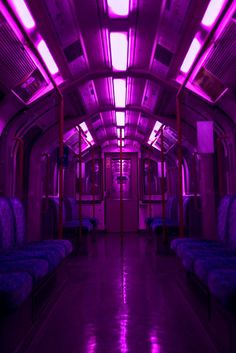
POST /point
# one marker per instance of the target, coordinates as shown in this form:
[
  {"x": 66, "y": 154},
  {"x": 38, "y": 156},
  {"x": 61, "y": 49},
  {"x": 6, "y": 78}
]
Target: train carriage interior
[{"x": 117, "y": 176}]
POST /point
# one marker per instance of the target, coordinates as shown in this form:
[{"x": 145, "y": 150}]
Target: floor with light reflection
[{"x": 121, "y": 297}]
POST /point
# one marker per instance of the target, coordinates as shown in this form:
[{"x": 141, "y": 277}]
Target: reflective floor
[{"x": 121, "y": 297}]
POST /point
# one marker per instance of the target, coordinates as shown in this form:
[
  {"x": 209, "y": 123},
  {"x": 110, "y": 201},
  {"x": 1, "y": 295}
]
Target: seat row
[
  {"x": 213, "y": 262},
  {"x": 23, "y": 265},
  {"x": 192, "y": 216},
  {"x": 71, "y": 221}
]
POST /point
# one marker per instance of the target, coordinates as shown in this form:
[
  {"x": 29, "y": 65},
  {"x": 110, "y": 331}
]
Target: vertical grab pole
[
  {"x": 31, "y": 45},
  {"x": 220, "y": 165},
  {"x": 80, "y": 183},
  {"x": 21, "y": 164},
  {"x": 61, "y": 160},
  {"x": 93, "y": 182},
  {"x": 164, "y": 228},
  {"x": 47, "y": 156},
  {"x": 180, "y": 160},
  {"x": 121, "y": 188},
  {"x": 149, "y": 186}
]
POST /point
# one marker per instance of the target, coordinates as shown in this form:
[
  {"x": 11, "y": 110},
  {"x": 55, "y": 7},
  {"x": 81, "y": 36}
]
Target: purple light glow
[
  {"x": 191, "y": 55},
  {"x": 155, "y": 347},
  {"x": 119, "y": 50},
  {"x": 122, "y": 143},
  {"x": 23, "y": 13},
  {"x": 118, "y": 8},
  {"x": 122, "y": 133},
  {"x": 119, "y": 92},
  {"x": 212, "y": 12},
  {"x": 120, "y": 118},
  {"x": 123, "y": 334},
  {"x": 47, "y": 57}
]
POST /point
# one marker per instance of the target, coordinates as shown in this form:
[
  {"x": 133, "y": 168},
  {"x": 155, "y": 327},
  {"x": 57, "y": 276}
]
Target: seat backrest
[
  {"x": 232, "y": 224},
  {"x": 6, "y": 224},
  {"x": 223, "y": 217},
  {"x": 172, "y": 208},
  {"x": 19, "y": 221},
  {"x": 50, "y": 217},
  {"x": 192, "y": 215},
  {"x": 71, "y": 212}
]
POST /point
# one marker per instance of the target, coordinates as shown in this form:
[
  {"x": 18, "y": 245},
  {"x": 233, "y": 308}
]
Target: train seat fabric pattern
[
  {"x": 203, "y": 267},
  {"x": 63, "y": 247},
  {"x": 15, "y": 288},
  {"x": 222, "y": 284},
  {"x": 214, "y": 262},
  {"x": 36, "y": 268}
]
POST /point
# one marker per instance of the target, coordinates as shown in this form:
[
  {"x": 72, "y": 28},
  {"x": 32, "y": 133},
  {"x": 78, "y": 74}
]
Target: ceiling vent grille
[
  {"x": 18, "y": 71},
  {"x": 209, "y": 84},
  {"x": 223, "y": 56}
]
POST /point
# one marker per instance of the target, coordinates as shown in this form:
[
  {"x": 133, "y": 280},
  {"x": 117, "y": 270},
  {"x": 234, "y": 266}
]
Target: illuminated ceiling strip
[
  {"x": 120, "y": 118},
  {"x": 119, "y": 92},
  {"x": 119, "y": 50},
  {"x": 119, "y": 8},
  {"x": 23, "y": 13},
  {"x": 191, "y": 55},
  {"x": 212, "y": 12},
  {"x": 47, "y": 57},
  {"x": 122, "y": 143},
  {"x": 122, "y": 133}
]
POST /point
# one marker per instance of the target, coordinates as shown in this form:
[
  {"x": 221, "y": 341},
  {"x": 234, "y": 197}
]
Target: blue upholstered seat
[
  {"x": 53, "y": 258},
  {"x": 15, "y": 288},
  {"x": 61, "y": 247},
  {"x": 181, "y": 245},
  {"x": 203, "y": 267},
  {"x": 189, "y": 257},
  {"x": 222, "y": 284},
  {"x": 38, "y": 269}
]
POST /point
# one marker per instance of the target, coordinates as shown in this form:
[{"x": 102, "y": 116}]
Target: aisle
[{"x": 121, "y": 298}]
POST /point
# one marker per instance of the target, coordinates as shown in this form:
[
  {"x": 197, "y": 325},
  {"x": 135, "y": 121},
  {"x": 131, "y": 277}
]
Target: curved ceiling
[{"x": 159, "y": 34}]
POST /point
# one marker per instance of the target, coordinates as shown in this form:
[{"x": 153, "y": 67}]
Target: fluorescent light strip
[
  {"x": 191, "y": 55},
  {"x": 154, "y": 132},
  {"x": 120, "y": 118},
  {"x": 212, "y": 11},
  {"x": 47, "y": 57},
  {"x": 23, "y": 13},
  {"x": 119, "y": 50},
  {"x": 122, "y": 143},
  {"x": 119, "y": 92},
  {"x": 118, "y": 7},
  {"x": 122, "y": 133}
]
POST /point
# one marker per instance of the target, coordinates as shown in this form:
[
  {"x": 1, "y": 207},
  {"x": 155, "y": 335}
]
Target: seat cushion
[
  {"x": 72, "y": 225},
  {"x": 191, "y": 255},
  {"x": 190, "y": 241},
  {"x": 58, "y": 249},
  {"x": 65, "y": 244},
  {"x": 203, "y": 267},
  {"x": 37, "y": 268},
  {"x": 222, "y": 284},
  {"x": 15, "y": 288},
  {"x": 52, "y": 257},
  {"x": 204, "y": 246}
]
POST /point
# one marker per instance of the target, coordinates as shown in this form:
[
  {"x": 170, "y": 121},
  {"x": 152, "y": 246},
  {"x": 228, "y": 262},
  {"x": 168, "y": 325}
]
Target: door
[{"x": 129, "y": 182}]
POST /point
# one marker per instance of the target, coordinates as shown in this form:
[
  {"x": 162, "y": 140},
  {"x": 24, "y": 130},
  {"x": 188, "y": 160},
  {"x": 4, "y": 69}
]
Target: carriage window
[
  {"x": 117, "y": 179},
  {"x": 152, "y": 181},
  {"x": 91, "y": 178}
]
